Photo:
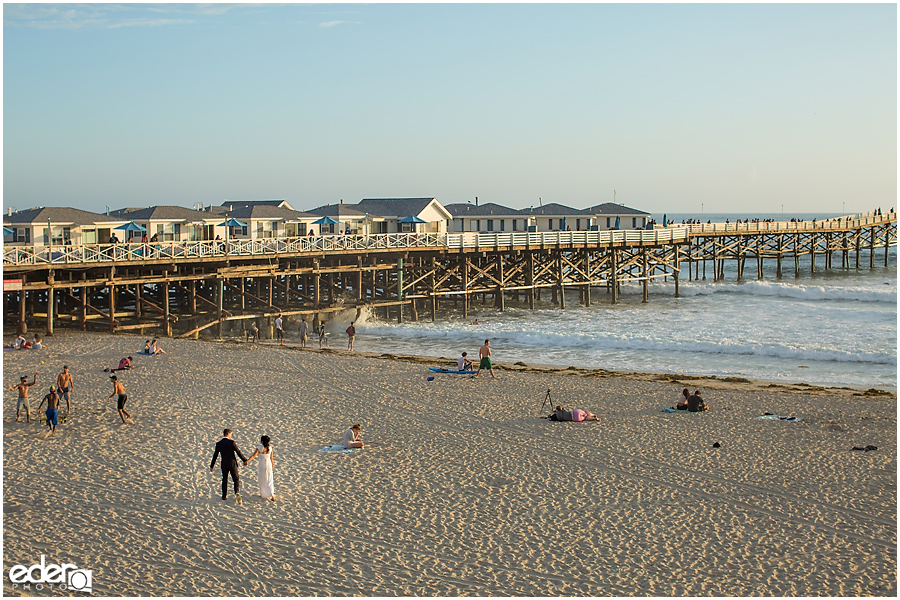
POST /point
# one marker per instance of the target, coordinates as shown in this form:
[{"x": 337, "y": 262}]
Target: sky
[{"x": 662, "y": 107}]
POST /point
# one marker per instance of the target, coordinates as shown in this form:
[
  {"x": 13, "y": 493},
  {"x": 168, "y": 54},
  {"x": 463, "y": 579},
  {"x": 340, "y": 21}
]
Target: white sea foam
[
  {"x": 799, "y": 292},
  {"x": 829, "y": 328}
]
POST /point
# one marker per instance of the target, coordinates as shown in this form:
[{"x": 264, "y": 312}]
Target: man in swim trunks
[
  {"x": 279, "y": 330},
  {"x": 485, "y": 355},
  {"x": 119, "y": 388},
  {"x": 52, "y": 401},
  {"x": 23, "y": 396},
  {"x": 65, "y": 386}
]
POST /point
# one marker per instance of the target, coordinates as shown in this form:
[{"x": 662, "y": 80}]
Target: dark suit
[{"x": 228, "y": 448}]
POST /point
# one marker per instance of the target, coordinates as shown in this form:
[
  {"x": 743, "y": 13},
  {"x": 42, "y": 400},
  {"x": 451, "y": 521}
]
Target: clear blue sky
[{"x": 739, "y": 107}]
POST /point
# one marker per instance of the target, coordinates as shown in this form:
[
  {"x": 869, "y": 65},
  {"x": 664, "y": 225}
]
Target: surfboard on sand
[{"x": 451, "y": 371}]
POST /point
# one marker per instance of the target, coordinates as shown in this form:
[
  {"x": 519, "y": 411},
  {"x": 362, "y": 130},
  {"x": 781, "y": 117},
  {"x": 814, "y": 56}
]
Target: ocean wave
[
  {"x": 799, "y": 292},
  {"x": 589, "y": 344}
]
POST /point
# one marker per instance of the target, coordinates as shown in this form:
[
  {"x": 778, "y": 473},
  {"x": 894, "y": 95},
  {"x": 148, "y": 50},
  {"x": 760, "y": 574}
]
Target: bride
[{"x": 265, "y": 468}]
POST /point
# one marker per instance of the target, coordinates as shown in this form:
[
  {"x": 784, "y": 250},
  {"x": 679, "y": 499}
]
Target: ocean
[{"x": 835, "y": 328}]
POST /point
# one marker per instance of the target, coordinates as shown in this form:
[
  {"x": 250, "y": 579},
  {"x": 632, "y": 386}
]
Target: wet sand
[{"x": 462, "y": 488}]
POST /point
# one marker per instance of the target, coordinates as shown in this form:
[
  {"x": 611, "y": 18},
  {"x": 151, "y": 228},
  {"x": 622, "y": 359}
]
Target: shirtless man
[
  {"x": 484, "y": 353},
  {"x": 65, "y": 385},
  {"x": 52, "y": 401},
  {"x": 119, "y": 388},
  {"x": 23, "y": 396}
]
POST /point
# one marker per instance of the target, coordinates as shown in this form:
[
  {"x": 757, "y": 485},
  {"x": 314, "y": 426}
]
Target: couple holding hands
[{"x": 265, "y": 470}]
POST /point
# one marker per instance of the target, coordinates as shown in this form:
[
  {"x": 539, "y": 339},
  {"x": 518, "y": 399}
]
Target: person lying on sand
[
  {"x": 124, "y": 365},
  {"x": 576, "y": 414}
]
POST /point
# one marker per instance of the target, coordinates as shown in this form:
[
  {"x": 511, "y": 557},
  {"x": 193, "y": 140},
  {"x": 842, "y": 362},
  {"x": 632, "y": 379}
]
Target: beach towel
[
  {"x": 337, "y": 448},
  {"x": 684, "y": 412},
  {"x": 779, "y": 418}
]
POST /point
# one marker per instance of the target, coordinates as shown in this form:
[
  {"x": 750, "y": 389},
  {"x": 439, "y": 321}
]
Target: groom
[{"x": 227, "y": 448}]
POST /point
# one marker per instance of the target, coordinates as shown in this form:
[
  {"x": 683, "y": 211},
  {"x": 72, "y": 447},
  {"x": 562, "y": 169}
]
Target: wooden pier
[{"x": 185, "y": 288}]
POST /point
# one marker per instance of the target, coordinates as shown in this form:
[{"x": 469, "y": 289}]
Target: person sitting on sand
[
  {"x": 155, "y": 349},
  {"x": 352, "y": 437},
  {"x": 683, "y": 400},
  {"x": 147, "y": 347},
  {"x": 464, "y": 364},
  {"x": 36, "y": 344},
  {"x": 576, "y": 414},
  {"x": 20, "y": 342},
  {"x": 696, "y": 403}
]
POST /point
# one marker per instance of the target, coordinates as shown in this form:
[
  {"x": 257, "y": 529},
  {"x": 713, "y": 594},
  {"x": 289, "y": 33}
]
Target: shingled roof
[
  {"x": 554, "y": 209},
  {"x": 159, "y": 213},
  {"x": 394, "y": 207},
  {"x": 58, "y": 215},
  {"x": 338, "y": 210},
  {"x": 261, "y": 211},
  {"x": 280, "y": 203},
  {"x": 464, "y": 209},
  {"x": 610, "y": 208}
]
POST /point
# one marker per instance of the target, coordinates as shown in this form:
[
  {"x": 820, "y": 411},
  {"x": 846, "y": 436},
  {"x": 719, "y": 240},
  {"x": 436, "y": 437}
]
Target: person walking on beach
[
  {"x": 304, "y": 332},
  {"x": 52, "y": 401},
  {"x": 228, "y": 448},
  {"x": 351, "y": 335},
  {"x": 253, "y": 333},
  {"x": 484, "y": 353},
  {"x": 352, "y": 438},
  {"x": 23, "y": 386},
  {"x": 322, "y": 338},
  {"x": 119, "y": 388},
  {"x": 266, "y": 468},
  {"x": 279, "y": 330},
  {"x": 65, "y": 386}
]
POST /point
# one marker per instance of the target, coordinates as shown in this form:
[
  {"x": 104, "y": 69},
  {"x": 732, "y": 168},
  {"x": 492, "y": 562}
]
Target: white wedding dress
[{"x": 266, "y": 477}]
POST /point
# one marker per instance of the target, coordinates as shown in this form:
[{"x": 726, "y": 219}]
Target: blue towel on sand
[
  {"x": 337, "y": 448},
  {"x": 675, "y": 410},
  {"x": 779, "y": 418}
]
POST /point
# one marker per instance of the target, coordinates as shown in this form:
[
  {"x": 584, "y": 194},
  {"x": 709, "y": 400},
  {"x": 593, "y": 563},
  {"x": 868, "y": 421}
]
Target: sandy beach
[{"x": 461, "y": 489}]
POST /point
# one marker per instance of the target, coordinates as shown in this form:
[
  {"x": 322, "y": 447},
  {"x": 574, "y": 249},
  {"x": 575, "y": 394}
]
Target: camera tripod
[{"x": 547, "y": 398}]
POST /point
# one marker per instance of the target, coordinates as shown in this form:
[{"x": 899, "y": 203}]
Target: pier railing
[
  {"x": 137, "y": 252},
  {"x": 837, "y": 223}
]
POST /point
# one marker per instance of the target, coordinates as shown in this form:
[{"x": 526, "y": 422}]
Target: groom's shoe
[{"x": 237, "y": 498}]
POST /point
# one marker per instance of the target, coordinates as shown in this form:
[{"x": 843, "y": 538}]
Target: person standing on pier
[{"x": 485, "y": 355}]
